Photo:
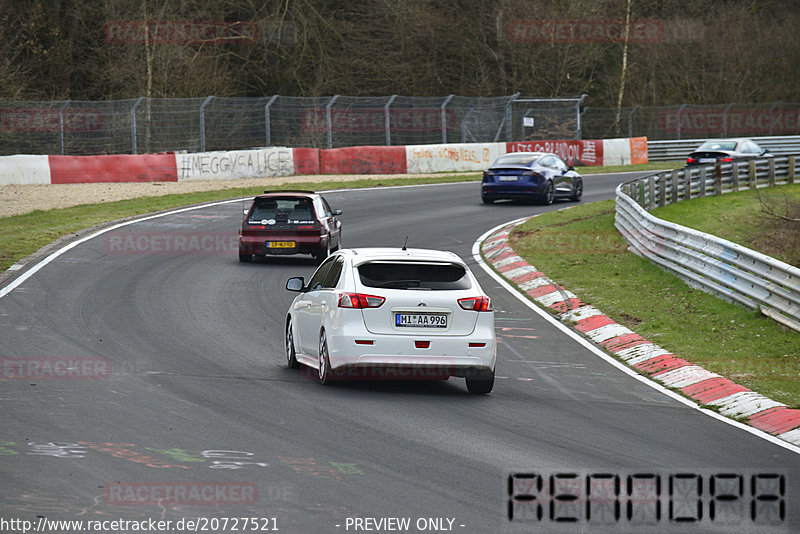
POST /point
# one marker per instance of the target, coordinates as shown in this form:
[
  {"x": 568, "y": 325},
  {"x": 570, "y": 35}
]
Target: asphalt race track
[{"x": 196, "y": 401}]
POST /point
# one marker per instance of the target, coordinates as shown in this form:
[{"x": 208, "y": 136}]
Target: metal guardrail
[
  {"x": 704, "y": 261},
  {"x": 675, "y": 150}
]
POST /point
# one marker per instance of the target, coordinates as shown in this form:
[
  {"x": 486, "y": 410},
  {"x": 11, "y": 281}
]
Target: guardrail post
[
  {"x": 675, "y": 178},
  {"x": 718, "y": 180},
  {"x": 640, "y": 193},
  {"x": 771, "y": 172},
  {"x": 753, "y": 175},
  {"x": 702, "y": 191},
  {"x": 662, "y": 190},
  {"x": 735, "y": 176},
  {"x": 792, "y": 168},
  {"x": 651, "y": 193}
]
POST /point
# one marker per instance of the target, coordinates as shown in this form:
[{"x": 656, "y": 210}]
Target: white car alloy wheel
[
  {"x": 325, "y": 372},
  {"x": 291, "y": 356}
]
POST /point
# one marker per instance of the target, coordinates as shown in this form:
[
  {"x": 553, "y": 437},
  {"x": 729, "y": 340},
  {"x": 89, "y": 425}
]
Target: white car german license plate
[{"x": 421, "y": 320}]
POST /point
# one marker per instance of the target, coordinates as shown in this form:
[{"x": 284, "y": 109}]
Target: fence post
[
  {"x": 509, "y": 118},
  {"x": 386, "y": 120},
  {"x": 792, "y": 169},
  {"x": 718, "y": 180},
  {"x": 133, "y": 123},
  {"x": 675, "y": 178},
  {"x": 703, "y": 178},
  {"x": 678, "y": 121},
  {"x": 203, "y": 123},
  {"x": 578, "y": 107},
  {"x": 725, "y": 119},
  {"x": 61, "y": 125},
  {"x": 735, "y": 176},
  {"x": 771, "y": 172},
  {"x": 630, "y": 119},
  {"x": 267, "y": 129},
  {"x": 444, "y": 118},
  {"x": 753, "y": 175},
  {"x": 651, "y": 193},
  {"x": 329, "y": 120}
]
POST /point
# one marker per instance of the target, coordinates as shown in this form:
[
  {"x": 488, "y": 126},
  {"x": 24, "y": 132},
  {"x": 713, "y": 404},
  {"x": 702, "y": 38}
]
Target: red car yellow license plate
[{"x": 281, "y": 244}]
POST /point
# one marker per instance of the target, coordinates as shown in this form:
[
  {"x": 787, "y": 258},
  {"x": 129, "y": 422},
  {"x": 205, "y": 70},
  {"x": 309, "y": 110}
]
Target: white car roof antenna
[{"x": 405, "y": 245}]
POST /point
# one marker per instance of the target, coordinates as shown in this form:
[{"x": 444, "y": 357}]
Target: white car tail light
[
  {"x": 478, "y": 304},
  {"x": 359, "y": 301}
]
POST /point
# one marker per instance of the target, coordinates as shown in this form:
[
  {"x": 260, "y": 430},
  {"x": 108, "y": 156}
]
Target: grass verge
[
  {"x": 580, "y": 249},
  {"x": 22, "y": 235},
  {"x": 741, "y": 218}
]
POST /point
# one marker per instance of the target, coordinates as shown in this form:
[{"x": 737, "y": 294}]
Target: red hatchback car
[{"x": 289, "y": 222}]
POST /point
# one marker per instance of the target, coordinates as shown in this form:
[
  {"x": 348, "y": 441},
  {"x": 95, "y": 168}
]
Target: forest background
[{"x": 702, "y": 52}]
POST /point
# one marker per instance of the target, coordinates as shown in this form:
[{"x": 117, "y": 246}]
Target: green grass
[
  {"x": 22, "y": 235},
  {"x": 738, "y": 217},
  {"x": 580, "y": 249}
]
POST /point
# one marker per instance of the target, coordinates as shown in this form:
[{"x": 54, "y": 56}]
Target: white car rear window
[{"x": 414, "y": 275}]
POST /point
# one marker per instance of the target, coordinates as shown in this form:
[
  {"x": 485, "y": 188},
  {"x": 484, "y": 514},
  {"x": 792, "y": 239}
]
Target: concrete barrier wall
[
  {"x": 424, "y": 159},
  {"x": 230, "y": 165},
  {"x": 116, "y": 168},
  {"x": 282, "y": 161},
  {"x": 24, "y": 170}
]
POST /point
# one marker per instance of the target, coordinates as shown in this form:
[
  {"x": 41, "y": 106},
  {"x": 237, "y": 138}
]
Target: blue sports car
[{"x": 531, "y": 175}]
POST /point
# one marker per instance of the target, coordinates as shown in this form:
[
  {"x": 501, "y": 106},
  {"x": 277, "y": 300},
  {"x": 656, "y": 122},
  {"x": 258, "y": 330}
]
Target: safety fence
[
  {"x": 148, "y": 125},
  {"x": 675, "y": 150},
  {"x": 710, "y": 263},
  {"x": 687, "y": 121}
]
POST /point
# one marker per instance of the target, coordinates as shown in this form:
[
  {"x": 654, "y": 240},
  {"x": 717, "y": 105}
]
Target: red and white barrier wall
[{"x": 282, "y": 161}]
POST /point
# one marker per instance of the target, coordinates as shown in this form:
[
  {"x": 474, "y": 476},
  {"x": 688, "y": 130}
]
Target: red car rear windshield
[{"x": 292, "y": 210}]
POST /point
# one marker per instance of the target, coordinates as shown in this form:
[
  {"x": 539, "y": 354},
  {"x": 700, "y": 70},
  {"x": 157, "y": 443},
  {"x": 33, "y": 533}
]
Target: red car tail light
[
  {"x": 360, "y": 301},
  {"x": 725, "y": 160},
  {"x": 478, "y": 304}
]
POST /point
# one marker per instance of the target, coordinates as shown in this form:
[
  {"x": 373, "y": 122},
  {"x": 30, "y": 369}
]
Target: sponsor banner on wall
[
  {"x": 50, "y": 120},
  {"x": 275, "y": 161},
  {"x": 423, "y": 159},
  {"x": 116, "y": 168},
  {"x": 639, "y": 153},
  {"x": 573, "y": 152},
  {"x": 364, "y": 160},
  {"x": 24, "y": 169}
]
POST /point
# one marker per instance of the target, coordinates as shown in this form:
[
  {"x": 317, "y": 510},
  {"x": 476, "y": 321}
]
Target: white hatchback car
[{"x": 394, "y": 314}]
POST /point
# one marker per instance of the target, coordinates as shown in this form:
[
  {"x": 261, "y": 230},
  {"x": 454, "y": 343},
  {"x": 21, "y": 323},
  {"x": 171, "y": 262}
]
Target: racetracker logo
[
  {"x": 178, "y": 243},
  {"x": 179, "y": 32},
  {"x": 181, "y": 493},
  {"x": 55, "y": 368},
  {"x": 585, "y": 31}
]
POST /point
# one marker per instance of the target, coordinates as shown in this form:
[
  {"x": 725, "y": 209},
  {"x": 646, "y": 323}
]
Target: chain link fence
[
  {"x": 693, "y": 121},
  {"x": 148, "y": 125}
]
